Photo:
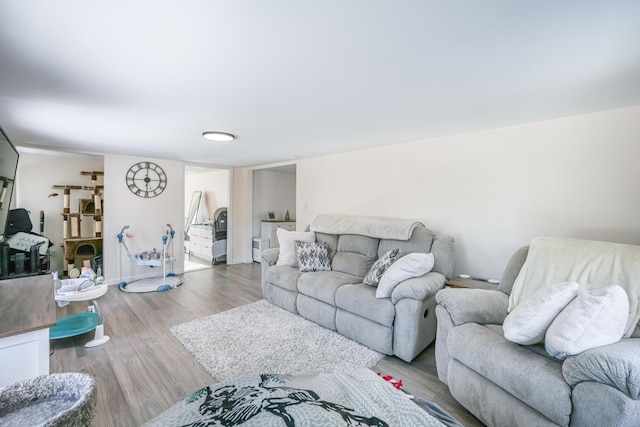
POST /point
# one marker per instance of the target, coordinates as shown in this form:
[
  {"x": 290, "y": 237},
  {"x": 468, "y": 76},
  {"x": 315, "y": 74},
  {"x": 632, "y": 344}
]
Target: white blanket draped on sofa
[
  {"x": 590, "y": 263},
  {"x": 396, "y": 229}
]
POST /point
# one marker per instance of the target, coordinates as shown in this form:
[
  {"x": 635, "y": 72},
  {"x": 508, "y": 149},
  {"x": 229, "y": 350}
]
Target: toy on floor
[
  {"x": 151, "y": 258},
  {"x": 82, "y": 288},
  {"x": 396, "y": 383}
]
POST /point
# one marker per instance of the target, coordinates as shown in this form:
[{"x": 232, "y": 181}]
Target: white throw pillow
[
  {"x": 529, "y": 320},
  {"x": 287, "y": 240},
  {"x": 595, "y": 318},
  {"x": 411, "y": 265}
]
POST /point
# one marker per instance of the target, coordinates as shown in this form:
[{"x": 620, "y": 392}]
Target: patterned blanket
[{"x": 359, "y": 398}]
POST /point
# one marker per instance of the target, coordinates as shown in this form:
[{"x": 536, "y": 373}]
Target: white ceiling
[{"x": 302, "y": 78}]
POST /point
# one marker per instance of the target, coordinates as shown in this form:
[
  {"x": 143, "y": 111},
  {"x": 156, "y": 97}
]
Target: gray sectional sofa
[
  {"x": 403, "y": 324},
  {"x": 504, "y": 383}
]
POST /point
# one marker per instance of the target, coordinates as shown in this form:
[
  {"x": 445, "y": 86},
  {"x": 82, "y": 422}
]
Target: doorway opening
[
  {"x": 207, "y": 199},
  {"x": 273, "y": 205}
]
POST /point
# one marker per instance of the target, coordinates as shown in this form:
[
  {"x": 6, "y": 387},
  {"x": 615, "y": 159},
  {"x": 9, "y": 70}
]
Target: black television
[{"x": 8, "y": 166}]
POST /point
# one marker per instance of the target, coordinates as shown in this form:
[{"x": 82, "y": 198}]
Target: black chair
[{"x": 219, "y": 248}]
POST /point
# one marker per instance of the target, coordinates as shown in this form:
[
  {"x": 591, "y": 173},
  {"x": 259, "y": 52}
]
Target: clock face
[{"x": 146, "y": 179}]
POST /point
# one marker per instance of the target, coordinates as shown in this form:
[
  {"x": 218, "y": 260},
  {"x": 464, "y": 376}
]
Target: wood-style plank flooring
[{"x": 143, "y": 369}]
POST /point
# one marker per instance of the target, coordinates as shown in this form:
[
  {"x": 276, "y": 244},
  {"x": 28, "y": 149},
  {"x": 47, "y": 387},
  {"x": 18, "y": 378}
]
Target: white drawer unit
[
  {"x": 201, "y": 240},
  {"x": 269, "y": 230}
]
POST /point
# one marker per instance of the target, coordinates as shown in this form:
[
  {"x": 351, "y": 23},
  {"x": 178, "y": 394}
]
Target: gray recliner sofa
[
  {"x": 402, "y": 325},
  {"x": 507, "y": 384}
]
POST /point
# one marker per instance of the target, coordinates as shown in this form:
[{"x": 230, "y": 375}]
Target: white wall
[
  {"x": 37, "y": 172},
  {"x": 147, "y": 218},
  {"x": 215, "y": 189},
  {"x": 272, "y": 191},
  {"x": 494, "y": 190}
]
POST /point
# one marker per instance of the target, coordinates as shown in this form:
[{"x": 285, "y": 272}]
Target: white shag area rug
[{"x": 260, "y": 338}]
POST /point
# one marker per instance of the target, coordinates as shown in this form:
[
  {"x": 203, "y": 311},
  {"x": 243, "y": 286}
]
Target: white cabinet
[
  {"x": 201, "y": 240},
  {"x": 24, "y": 356},
  {"x": 28, "y": 311},
  {"x": 269, "y": 230}
]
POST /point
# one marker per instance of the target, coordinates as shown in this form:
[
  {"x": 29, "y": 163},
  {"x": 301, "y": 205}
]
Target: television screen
[{"x": 8, "y": 165}]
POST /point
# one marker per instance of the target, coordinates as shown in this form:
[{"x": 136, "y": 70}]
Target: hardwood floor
[{"x": 142, "y": 370}]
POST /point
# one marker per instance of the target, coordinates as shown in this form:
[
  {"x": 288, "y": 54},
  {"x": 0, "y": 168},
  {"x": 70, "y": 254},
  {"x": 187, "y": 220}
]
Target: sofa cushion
[
  {"x": 283, "y": 298},
  {"x": 367, "y": 246},
  {"x": 317, "y": 311},
  {"x": 287, "y": 240},
  {"x": 380, "y": 266},
  {"x": 513, "y": 367},
  {"x": 312, "y": 256},
  {"x": 355, "y": 254},
  {"x": 322, "y": 285},
  {"x": 421, "y": 241},
  {"x": 528, "y": 322},
  {"x": 331, "y": 240},
  {"x": 283, "y": 277},
  {"x": 372, "y": 334},
  {"x": 491, "y": 404},
  {"x": 411, "y": 265},
  {"x": 352, "y": 263},
  {"x": 595, "y": 318},
  {"x": 361, "y": 300}
]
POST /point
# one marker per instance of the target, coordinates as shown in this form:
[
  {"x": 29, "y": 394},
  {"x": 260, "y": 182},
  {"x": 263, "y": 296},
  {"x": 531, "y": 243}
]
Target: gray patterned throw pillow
[
  {"x": 313, "y": 256},
  {"x": 380, "y": 266}
]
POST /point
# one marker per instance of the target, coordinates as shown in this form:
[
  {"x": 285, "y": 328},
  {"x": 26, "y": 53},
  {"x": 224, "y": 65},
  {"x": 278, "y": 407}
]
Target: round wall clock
[{"x": 146, "y": 179}]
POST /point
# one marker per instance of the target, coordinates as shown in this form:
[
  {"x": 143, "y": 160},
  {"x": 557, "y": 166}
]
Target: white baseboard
[{"x": 242, "y": 261}]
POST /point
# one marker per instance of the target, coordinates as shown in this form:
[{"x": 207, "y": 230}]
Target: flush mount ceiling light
[{"x": 218, "y": 136}]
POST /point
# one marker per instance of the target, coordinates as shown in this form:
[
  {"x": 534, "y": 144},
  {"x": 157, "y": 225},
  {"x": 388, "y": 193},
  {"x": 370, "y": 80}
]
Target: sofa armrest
[
  {"x": 474, "y": 305},
  {"x": 270, "y": 255},
  {"x": 418, "y": 288},
  {"x": 616, "y": 365}
]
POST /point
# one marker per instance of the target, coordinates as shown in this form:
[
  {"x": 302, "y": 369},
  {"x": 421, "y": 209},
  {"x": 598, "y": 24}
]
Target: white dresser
[
  {"x": 269, "y": 230},
  {"x": 201, "y": 240}
]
